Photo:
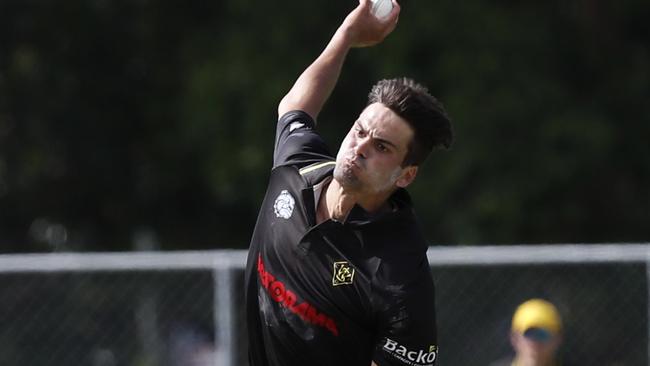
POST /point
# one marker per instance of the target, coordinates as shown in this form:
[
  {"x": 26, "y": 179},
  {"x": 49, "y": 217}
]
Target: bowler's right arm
[{"x": 314, "y": 86}]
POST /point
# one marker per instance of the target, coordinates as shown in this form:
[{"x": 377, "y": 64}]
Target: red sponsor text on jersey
[{"x": 287, "y": 298}]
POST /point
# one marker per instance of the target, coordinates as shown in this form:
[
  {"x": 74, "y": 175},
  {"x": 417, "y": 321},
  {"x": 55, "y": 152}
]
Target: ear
[{"x": 407, "y": 176}]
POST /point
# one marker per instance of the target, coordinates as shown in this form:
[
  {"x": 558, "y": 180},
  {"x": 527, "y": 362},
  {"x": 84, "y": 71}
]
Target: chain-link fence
[
  {"x": 174, "y": 309},
  {"x": 604, "y": 308}
]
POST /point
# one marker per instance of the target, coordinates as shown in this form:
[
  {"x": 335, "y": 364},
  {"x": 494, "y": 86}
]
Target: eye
[
  {"x": 381, "y": 147},
  {"x": 360, "y": 132}
]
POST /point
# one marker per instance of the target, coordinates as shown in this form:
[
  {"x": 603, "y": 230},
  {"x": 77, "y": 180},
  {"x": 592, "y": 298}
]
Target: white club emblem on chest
[{"x": 284, "y": 205}]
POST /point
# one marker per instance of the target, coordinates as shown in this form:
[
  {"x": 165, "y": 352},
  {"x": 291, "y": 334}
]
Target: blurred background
[{"x": 149, "y": 124}]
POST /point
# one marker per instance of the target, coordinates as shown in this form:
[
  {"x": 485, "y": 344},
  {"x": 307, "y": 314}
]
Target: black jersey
[{"x": 337, "y": 293}]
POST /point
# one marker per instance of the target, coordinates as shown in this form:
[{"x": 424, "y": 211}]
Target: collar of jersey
[
  {"x": 316, "y": 173},
  {"x": 400, "y": 201}
]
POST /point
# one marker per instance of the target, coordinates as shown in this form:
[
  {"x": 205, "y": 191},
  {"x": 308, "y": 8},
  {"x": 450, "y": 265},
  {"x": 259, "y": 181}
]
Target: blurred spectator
[
  {"x": 535, "y": 336},
  {"x": 190, "y": 346}
]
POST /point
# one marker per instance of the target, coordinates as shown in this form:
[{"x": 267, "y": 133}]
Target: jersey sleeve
[
  {"x": 407, "y": 334},
  {"x": 297, "y": 142}
]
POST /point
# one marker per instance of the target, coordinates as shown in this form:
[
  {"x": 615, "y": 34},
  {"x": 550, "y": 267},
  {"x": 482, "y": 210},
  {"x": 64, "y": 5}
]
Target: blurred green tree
[{"x": 119, "y": 117}]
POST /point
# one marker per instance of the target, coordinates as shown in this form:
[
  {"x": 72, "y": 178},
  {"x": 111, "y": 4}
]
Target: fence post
[
  {"x": 224, "y": 316},
  {"x": 647, "y": 271}
]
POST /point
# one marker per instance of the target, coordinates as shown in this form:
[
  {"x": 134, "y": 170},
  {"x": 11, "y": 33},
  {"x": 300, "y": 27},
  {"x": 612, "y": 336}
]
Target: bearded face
[{"x": 370, "y": 157}]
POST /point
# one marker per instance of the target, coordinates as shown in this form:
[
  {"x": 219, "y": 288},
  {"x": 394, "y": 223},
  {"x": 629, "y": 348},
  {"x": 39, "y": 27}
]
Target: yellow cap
[{"x": 536, "y": 313}]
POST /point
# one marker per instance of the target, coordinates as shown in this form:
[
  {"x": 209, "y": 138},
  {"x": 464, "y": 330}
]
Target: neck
[{"x": 337, "y": 202}]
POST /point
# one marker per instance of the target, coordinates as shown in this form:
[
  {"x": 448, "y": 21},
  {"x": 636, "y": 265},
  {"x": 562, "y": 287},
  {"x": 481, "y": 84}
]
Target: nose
[{"x": 361, "y": 149}]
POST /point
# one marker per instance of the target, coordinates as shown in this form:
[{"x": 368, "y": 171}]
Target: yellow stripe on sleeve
[{"x": 316, "y": 166}]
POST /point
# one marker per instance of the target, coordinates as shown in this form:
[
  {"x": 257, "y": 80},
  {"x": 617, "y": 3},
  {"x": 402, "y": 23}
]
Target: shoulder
[
  {"x": 397, "y": 236},
  {"x": 316, "y": 172},
  {"x": 297, "y": 142},
  {"x": 301, "y": 174},
  {"x": 296, "y": 119}
]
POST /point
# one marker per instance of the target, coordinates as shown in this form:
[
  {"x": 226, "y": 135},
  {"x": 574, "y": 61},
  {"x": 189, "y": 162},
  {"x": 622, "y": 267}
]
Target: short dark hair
[{"x": 422, "y": 111}]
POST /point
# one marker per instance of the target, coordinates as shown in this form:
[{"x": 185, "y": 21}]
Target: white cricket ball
[{"x": 381, "y": 8}]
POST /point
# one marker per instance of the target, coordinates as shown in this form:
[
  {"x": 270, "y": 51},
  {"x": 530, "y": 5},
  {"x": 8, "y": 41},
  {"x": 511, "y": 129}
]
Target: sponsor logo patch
[
  {"x": 343, "y": 274},
  {"x": 411, "y": 357},
  {"x": 284, "y": 204}
]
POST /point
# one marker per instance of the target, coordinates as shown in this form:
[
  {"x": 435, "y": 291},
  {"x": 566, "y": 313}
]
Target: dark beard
[{"x": 346, "y": 177}]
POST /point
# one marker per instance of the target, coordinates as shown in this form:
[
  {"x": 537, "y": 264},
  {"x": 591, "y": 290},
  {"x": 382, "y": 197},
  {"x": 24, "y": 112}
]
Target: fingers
[
  {"x": 392, "y": 17},
  {"x": 394, "y": 14},
  {"x": 391, "y": 27},
  {"x": 364, "y": 29},
  {"x": 396, "y": 7}
]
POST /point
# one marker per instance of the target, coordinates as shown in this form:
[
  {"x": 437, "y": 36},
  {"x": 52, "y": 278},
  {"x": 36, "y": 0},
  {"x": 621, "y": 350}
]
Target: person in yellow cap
[{"x": 535, "y": 336}]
